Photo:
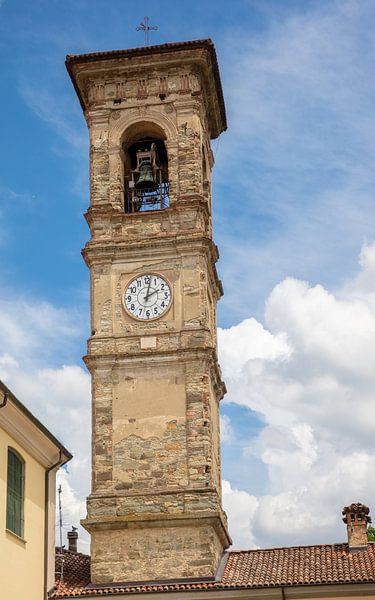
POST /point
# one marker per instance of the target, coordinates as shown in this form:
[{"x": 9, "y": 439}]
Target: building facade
[{"x": 29, "y": 459}]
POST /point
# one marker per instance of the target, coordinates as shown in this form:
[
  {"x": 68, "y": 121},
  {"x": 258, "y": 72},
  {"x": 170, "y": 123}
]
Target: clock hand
[
  {"x": 148, "y": 295},
  {"x": 148, "y": 289}
]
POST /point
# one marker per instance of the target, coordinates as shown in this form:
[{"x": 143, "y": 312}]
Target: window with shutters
[{"x": 15, "y": 492}]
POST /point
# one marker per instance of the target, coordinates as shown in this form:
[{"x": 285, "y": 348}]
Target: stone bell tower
[{"x": 154, "y": 512}]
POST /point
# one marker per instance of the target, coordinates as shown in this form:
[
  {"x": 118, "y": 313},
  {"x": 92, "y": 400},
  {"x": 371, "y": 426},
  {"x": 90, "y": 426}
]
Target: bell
[{"x": 146, "y": 177}]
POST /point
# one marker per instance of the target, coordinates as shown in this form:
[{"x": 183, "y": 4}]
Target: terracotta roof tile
[
  {"x": 140, "y": 50},
  {"x": 300, "y": 565}
]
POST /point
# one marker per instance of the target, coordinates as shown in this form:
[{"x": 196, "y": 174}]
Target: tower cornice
[
  {"x": 201, "y": 53},
  {"x": 110, "y": 252},
  {"x": 117, "y": 359}
]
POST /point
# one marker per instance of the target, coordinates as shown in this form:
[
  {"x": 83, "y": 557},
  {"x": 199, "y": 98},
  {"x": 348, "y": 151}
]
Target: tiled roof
[
  {"x": 141, "y": 50},
  {"x": 301, "y": 565}
]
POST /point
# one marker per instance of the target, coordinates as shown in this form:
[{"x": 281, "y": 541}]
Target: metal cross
[{"x": 146, "y": 28}]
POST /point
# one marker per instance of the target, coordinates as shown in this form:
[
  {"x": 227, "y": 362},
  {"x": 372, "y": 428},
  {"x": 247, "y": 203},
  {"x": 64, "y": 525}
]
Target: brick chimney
[
  {"x": 356, "y": 517},
  {"x": 72, "y": 539}
]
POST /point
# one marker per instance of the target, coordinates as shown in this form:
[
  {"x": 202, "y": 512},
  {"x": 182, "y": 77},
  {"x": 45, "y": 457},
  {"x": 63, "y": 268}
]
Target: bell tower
[{"x": 154, "y": 512}]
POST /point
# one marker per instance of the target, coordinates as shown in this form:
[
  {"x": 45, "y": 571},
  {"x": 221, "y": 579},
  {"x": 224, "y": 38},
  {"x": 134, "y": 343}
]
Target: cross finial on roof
[{"x": 146, "y": 28}]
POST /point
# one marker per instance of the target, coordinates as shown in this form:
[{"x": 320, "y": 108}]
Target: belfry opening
[{"x": 146, "y": 185}]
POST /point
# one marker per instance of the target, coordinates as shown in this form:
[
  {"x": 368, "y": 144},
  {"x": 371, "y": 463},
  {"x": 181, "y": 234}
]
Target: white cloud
[
  {"x": 60, "y": 398},
  {"x": 241, "y": 508},
  {"x": 33, "y": 330},
  {"x": 73, "y": 508},
  {"x": 51, "y": 102},
  {"x": 363, "y": 285},
  {"x": 36, "y": 334},
  {"x": 296, "y": 166},
  {"x": 226, "y": 429},
  {"x": 263, "y": 345},
  {"x": 50, "y": 107},
  {"x": 316, "y": 398}
]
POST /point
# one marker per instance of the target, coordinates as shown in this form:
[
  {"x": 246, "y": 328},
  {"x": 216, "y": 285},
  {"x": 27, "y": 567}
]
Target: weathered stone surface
[
  {"x": 155, "y": 508},
  {"x": 130, "y": 504},
  {"x": 129, "y": 555}
]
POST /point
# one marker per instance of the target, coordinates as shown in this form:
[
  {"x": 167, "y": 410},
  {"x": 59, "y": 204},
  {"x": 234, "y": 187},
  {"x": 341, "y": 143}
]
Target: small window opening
[
  {"x": 15, "y": 493},
  {"x": 146, "y": 176}
]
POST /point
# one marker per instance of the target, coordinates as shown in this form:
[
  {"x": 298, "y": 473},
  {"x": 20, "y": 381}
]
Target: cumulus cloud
[
  {"x": 72, "y": 510},
  {"x": 33, "y": 328},
  {"x": 37, "y": 334},
  {"x": 263, "y": 345},
  {"x": 309, "y": 374},
  {"x": 61, "y": 399},
  {"x": 241, "y": 508},
  {"x": 226, "y": 429}
]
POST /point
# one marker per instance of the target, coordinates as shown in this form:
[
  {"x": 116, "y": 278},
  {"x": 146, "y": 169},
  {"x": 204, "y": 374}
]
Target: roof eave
[{"x": 65, "y": 454}]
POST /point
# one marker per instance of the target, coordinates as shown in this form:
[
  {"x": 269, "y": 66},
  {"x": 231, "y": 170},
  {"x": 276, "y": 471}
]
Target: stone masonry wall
[
  {"x": 181, "y": 551},
  {"x": 155, "y": 508},
  {"x": 153, "y": 463}
]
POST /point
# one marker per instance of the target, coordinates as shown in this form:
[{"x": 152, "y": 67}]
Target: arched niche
[
  {"x": 126, "y": 123},
  {"x": 127, "y": 126}
]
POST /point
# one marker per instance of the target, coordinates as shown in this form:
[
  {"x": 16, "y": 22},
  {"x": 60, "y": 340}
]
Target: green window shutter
[{"x": 15, "y": 492}]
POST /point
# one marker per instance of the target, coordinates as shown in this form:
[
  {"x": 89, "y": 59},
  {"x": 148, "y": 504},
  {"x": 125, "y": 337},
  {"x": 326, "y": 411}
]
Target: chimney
[
  {"x": 356, "y": 517},
  {"x": 72, "y": 539}
]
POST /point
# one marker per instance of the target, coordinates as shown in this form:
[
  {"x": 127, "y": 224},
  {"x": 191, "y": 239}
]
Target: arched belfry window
[
  {"x": 145, "y": 173},
  {"x": 15, "y": 492}
]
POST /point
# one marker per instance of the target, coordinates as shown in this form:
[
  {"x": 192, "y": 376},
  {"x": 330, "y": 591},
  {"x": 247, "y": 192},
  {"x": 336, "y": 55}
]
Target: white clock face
[{"x": 147, "y": 297}]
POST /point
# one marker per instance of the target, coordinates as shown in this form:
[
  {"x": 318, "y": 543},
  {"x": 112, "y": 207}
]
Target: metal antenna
[
  {"x": 61, "y": 539},
  {"x": 60, "y": 516},
  {"x": 146, "y": 28}
]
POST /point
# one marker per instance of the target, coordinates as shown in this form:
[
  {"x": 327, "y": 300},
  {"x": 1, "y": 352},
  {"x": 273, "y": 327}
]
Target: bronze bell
[{"x": 146, "y": 177}]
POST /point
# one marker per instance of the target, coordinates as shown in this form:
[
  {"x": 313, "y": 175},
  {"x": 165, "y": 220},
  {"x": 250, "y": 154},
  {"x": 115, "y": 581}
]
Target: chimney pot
[
  {"x": 356, "y": 517},
  {"x": 72, "y": 539}
]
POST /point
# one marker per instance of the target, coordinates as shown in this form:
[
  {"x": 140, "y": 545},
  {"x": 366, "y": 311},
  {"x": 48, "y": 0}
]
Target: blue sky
[{"x": 294, "y": 213}]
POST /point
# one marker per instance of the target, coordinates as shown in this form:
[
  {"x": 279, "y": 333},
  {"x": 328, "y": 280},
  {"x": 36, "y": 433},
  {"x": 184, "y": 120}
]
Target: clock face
[{"x": 147, "y": 297}]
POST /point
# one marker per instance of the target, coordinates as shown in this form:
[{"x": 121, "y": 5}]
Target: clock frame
[{"x": 135, "y": 295}]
